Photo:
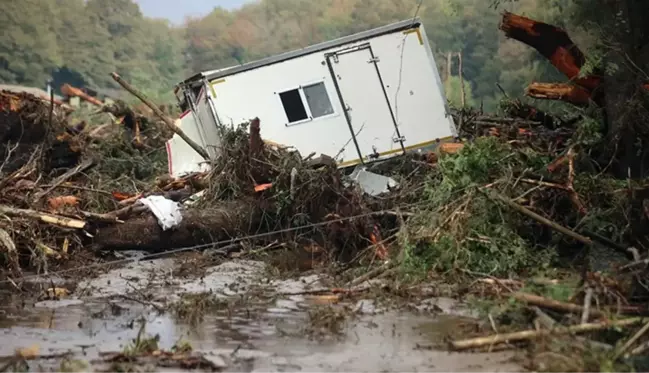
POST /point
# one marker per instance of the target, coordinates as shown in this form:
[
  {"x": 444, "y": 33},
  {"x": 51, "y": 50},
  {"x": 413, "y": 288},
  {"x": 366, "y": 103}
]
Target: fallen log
[
  {"x": 198, "y": 227},
  {"x": 559, "y": 91}
]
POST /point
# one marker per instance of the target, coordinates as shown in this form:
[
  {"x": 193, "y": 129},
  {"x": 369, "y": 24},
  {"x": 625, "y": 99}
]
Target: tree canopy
[{"x": 81, "y": 42}]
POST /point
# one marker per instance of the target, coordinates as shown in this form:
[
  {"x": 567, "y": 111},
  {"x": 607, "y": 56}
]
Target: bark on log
[
  {"x": 559, "y": 91},
  {"x": 198, "y": 227}
]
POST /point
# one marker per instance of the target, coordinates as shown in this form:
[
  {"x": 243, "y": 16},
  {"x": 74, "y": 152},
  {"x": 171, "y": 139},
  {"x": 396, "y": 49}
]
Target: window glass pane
[
  {"x": 318, "y": 100},
  {"x": 293, "y": 106}
]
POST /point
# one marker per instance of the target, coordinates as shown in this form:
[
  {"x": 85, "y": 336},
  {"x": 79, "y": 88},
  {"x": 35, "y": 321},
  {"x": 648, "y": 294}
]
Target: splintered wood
[
  {"x": 555, "y": 45},
  {"x": 559, "y": 91}
]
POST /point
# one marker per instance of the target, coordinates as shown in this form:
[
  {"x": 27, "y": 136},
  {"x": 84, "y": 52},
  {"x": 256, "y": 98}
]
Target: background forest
[{"x": 82, "y": 41}]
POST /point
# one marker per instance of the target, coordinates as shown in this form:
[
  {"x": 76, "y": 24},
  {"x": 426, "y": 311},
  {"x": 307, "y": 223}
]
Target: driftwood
[
  {"x": 527, "y": 335},
  {"x": 170, "y": 123},
  {"x": 198, "y": 227}
]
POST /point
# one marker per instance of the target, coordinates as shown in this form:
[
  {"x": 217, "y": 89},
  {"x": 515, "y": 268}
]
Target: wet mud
[{"x": 251, "y": 323}]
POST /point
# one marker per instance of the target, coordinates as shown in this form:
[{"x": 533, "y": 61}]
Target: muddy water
[{"x": 268, "y": 329}]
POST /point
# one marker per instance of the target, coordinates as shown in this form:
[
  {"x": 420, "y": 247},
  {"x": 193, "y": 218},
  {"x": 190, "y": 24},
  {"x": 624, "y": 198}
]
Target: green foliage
[
  {"x": 589, "y": 132},
  {"x": 461, "y": 227},
  {"x": 82, "y": 42},
  {"x": 611, "y": 202},
  {"x": 453, "y": 90},
  {"x": 28, "y": 48}
]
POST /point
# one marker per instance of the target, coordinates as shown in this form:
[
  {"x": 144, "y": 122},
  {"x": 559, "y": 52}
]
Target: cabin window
[
  {"x": 318, "y": 100},
  {"x": 293, "y": 106},
  {"x": 306, "y": 102}
]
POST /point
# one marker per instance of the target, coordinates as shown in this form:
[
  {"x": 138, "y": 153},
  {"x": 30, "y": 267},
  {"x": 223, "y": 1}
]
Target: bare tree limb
[{"x": 199, "y": 149}]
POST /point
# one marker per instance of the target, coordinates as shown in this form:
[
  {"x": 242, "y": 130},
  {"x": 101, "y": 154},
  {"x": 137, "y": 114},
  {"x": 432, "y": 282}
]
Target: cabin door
[{"x": 365, "y": 101}]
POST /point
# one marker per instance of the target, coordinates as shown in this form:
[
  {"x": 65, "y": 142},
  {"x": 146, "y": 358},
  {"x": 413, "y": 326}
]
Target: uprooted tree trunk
[{"x": 198, "y": 227}]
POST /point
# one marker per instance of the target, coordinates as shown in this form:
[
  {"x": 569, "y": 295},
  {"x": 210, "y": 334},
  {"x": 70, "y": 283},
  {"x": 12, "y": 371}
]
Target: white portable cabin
[{"x": 360, "y": 98}]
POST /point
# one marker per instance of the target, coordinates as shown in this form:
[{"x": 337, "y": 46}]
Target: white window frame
[{"x": 305, "y": 103}]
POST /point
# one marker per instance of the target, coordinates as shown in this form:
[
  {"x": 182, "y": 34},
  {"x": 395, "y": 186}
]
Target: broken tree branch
[
  {"x": 552, "y": 42},
  {"x": 61, "y": 221},
  {"x": 631, "y": 341},
  {"x": 552, "y": 304},
  {"x": 526, "y": 335},
  {"x": 170, "y": 124},
  {"x": 541, "y": 219},
  {"x": 559, "y": 91},
  {"x": 571, "y": 307},
  {"x": 61, "y": 179},
  {"x": 587, "y": 302}
]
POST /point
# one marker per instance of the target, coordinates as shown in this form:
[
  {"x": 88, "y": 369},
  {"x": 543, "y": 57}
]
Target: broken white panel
[
  {"x": 182, "y": 159},
  {"x": 371, "y": 183},
  {"x": 165, "y": 210}
]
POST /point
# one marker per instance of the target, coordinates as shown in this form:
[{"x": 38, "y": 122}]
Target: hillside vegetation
[{"x": 82, "y": 42}]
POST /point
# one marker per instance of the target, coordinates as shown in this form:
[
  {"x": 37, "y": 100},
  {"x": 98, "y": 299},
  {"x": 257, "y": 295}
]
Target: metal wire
[{"x": 196, "y": 247}]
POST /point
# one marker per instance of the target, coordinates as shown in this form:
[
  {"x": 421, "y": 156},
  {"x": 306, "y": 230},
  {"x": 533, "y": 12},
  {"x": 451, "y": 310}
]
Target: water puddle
[{"x": 256, "y": 330}]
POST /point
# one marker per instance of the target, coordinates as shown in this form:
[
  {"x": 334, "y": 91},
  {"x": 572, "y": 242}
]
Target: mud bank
[{"x": 258, "y": 327}]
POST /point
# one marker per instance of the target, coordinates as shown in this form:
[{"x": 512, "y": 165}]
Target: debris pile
[
  {"x": 536, "y": 213},
  {"x": 253, "y": 189},
  {"x": 59, "y": 182},
  {"x": 524, "y": 194},
  {"x": 113, "y": 193}
]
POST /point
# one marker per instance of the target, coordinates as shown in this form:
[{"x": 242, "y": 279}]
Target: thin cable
[
  {"x": 195, "y": 247},
  {"x": 403, "y": 47}
]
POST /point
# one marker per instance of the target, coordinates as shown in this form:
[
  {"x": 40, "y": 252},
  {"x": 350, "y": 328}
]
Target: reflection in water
[{"x": 271, "y": 333}]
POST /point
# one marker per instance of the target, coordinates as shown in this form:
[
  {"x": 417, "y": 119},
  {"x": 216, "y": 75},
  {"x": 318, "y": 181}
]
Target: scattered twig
[
  {"x": 61, "y": 179},
  {"x": 371, "y": 274},
  {"x": 157, "y": 307},
  {"x": 631, "y": 341}
]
